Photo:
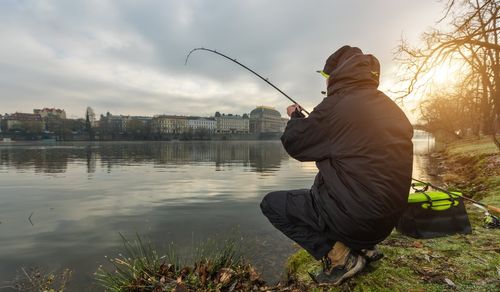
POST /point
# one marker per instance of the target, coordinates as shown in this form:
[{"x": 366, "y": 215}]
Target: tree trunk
[{"x": 494, "y": 136}]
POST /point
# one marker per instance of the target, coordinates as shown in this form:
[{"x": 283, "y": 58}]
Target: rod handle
[{"x": 493, "y": 208}]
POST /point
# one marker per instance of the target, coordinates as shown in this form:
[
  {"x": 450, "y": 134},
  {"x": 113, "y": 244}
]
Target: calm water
[{"x": 80, "y": 196}]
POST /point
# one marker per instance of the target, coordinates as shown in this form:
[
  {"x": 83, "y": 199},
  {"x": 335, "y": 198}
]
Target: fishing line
[{"x": 235, "y": 61}]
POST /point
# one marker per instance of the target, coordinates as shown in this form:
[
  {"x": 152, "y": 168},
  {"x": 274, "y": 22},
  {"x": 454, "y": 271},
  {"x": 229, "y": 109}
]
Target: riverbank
[{"x": 472, "y": 166}]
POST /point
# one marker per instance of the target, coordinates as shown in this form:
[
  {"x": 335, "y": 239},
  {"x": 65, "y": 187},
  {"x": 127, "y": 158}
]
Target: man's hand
[{"x": 292, "y": 108}]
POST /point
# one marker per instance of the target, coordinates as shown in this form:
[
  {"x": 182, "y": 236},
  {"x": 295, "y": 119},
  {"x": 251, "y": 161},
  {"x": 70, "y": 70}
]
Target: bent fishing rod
[
  {"x": 258, "y": 75},
  {"x": 477, "y": 203}
]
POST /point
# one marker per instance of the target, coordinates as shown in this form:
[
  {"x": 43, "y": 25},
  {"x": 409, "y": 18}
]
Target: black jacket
[{"x": 361, "y": 142}]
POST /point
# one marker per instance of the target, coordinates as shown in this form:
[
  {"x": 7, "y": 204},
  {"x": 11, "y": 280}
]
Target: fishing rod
[
  {"x": 235, "y": 61},
  {"x": 476, "y": 203}
]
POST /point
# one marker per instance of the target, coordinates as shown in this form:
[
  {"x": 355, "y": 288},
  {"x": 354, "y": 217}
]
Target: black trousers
[{"x": 294, "y": 214}]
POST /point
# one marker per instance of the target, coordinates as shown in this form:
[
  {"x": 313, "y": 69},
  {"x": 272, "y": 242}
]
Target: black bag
[{"x": 434, "y": 214}]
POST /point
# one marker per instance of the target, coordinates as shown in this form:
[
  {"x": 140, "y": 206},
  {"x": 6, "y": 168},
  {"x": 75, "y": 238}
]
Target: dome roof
[{"x": 262, "y": 111}]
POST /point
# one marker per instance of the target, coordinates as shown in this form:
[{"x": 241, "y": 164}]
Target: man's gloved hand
[{"x": 294, "y": 111}]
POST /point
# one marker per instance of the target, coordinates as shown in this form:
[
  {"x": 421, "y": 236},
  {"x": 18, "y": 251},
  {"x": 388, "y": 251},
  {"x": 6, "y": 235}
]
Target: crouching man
[{"x": 361, "y": 143}]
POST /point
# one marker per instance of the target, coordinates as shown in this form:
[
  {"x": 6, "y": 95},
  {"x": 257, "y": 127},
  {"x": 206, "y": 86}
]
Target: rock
[{"x": 450, "y": 283}]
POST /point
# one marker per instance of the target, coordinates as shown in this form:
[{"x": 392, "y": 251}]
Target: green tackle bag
[{"x": 433, "y": 214}]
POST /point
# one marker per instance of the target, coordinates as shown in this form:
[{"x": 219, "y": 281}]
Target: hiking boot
[
  {"x": 340, "y": 264},
  {"x": 371, "y": 255}
]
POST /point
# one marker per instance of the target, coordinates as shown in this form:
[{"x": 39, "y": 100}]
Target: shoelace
[{"x": 326, "y": 263}]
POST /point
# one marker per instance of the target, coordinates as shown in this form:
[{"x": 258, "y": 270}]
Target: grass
[
  {"x": 140, "y": 268},
  {"x": 217, "y": 267},
  {"x": 474, "y": 167},
  {"x": 38, "y": 279},
  {"x": 460, "y": 262},
  {"x": 472, "y": 147},
  {"x": 468, "y": 263}
]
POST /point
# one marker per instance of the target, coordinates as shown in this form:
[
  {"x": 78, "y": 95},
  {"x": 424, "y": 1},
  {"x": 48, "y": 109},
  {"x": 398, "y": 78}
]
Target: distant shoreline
[{"x": 8, "y": 140}]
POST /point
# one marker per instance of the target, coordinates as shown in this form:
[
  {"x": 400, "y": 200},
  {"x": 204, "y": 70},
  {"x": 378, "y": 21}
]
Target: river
[{"x": 63, "y": 205}]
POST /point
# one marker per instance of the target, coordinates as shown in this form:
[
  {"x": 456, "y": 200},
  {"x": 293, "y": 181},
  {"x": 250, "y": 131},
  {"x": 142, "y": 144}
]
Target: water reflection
[
  {"x": 422, "y": 146},
  {"x": 82, "y": 195},
  {"x": 261, "y": 156}
]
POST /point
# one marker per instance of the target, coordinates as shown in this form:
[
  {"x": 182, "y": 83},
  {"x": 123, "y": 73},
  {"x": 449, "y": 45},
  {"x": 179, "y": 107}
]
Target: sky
[{"x": 127, "y": 57}]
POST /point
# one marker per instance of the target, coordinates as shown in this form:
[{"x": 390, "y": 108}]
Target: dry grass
[
  {"x": 473, "y": 147},
  {"x": 217, "y": 268}
]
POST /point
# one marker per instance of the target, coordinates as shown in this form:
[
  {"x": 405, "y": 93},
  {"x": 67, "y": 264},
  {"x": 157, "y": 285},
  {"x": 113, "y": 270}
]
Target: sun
[
  {"x": 445, "y": 74},
  {"x": 440, "y": 74}
]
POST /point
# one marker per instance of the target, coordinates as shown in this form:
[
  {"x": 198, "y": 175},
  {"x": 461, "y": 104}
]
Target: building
[
  {"x": 17, "y": 121},
  {"x": 168, "y": 124},
  {"x": 51, "y": 117},
  {"x": 231, "y": 124},
  {"x": 136, "y": 124},
  {"x": 50, "y": 112},
  {"x": 112, "y": 124},
  {"x": 196, "y": 123},
  {"x": 145, "y": 120},
  {"x": 118, "y": 123},
  {"x": 265, "y": 119}
]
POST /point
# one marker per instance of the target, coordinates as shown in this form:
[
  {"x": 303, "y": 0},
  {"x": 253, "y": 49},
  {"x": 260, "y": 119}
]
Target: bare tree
[
  {"x": 450, "y": 113},
  {"x": 473, "y": 43}
]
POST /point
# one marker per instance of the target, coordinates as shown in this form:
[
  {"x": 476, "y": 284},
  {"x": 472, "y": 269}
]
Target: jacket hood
[{"x": 349, "y": 67}]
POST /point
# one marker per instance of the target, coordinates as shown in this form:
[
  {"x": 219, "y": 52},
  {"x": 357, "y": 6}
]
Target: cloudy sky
[{"x": 127, "y": 57}]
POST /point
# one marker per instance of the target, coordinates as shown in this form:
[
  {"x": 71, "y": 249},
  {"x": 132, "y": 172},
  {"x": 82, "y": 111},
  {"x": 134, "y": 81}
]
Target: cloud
[{"x": 127, "y": 57}]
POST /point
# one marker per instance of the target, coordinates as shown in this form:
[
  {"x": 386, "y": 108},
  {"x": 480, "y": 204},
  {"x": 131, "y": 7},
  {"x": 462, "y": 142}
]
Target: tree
[
  {"x": 3, "y": 125},
  {"x": 60, "y": 127},
  {"x": 202, "y": 134},
  {"x": 136, "y": 128},
  {"x": 77, "y": 125},
  {"x": 31, "y": 127},
  {"x": 105, "y": 127},
  {"x": 450, "y": 113},
  {"x": 473, "y": 45},
  {"x": 88, "y": 125}
]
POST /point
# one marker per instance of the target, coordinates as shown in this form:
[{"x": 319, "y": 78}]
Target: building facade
[
  {"x": 118, "y": 123},
  {"x": 196, "y": 123},
  {"x": 265, "y": 119},
  {"x": 50, "y": 112},
  {"x": 231, "y": 124},
  {"x": 145, "y": 120},
  {"x": 168, "y": 124},
  {"x": 17, "y": 121},
  {"x": 112, "y": 124}
]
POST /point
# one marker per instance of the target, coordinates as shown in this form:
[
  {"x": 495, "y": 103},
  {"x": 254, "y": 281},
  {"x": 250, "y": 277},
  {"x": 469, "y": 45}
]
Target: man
[{"x": 361, "y": 142}]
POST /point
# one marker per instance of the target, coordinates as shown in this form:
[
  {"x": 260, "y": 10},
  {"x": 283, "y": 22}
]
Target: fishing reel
[{"x": 491, "y": 221}]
